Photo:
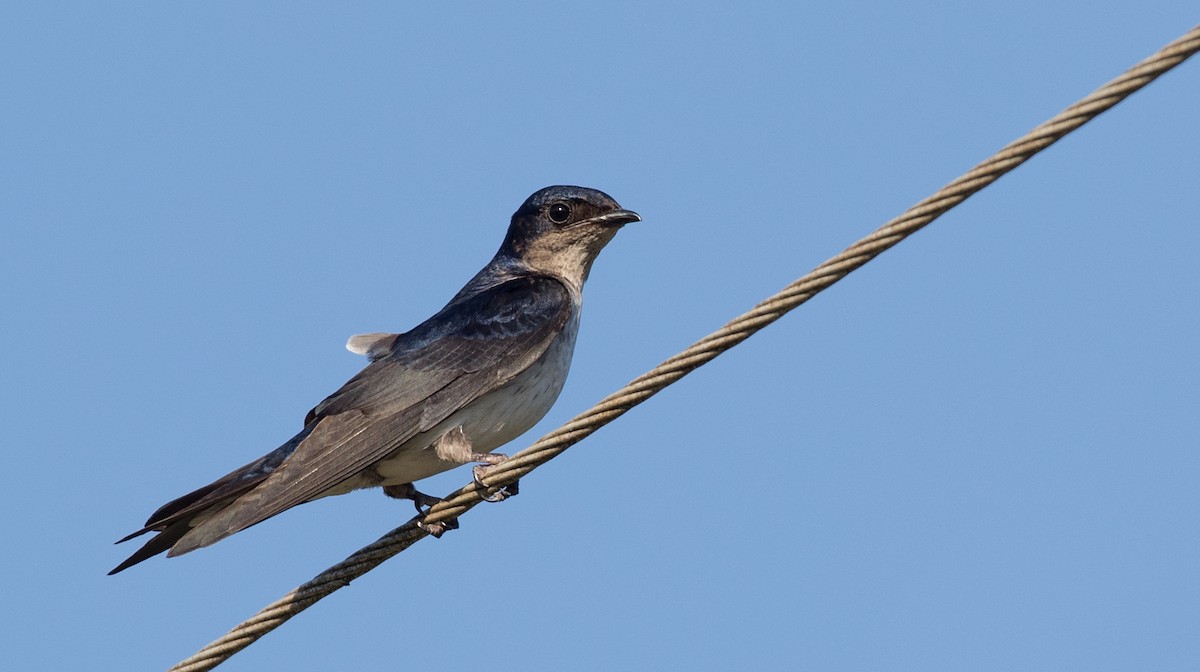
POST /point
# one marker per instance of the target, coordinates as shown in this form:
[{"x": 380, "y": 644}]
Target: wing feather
[{"x": 471, "y": 347}]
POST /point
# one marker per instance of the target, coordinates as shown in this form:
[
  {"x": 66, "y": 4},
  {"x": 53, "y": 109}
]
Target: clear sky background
[{"x": 978, "y": 452}]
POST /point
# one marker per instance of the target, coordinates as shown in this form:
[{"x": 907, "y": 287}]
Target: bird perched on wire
[{"x": 473, "y": 377}]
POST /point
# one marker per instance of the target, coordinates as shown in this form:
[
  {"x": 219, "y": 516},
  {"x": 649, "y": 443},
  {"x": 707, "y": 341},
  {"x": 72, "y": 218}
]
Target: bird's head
[{"x": 559, "y": 230}]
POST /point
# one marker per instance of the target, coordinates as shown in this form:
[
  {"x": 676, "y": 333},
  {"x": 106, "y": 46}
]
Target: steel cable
[{"x": 701, "y": 352}]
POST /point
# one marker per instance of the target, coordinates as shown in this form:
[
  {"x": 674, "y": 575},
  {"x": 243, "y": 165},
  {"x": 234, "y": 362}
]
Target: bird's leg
[
  {"x": 420, "y": 499},
  {"x": 454, "y": 446},
  {"x": 409, "y": 491}
]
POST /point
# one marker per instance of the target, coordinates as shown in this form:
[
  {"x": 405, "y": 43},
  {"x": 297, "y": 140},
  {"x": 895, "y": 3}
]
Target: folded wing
[{"x": 474, "y": 345}]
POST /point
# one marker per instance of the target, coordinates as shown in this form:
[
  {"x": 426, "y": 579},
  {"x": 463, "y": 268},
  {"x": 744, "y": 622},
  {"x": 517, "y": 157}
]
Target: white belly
[{"x": 493, "y": 419}]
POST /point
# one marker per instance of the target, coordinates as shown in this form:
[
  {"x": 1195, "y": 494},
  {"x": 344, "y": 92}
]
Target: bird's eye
[{"x": 559, "y": 213}]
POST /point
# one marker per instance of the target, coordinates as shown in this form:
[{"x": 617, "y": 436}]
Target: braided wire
[{"x": 737, "y": 330}]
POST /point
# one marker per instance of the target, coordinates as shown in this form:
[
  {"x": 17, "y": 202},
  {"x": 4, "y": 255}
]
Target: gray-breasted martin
[{"x": 473, "y": 377}]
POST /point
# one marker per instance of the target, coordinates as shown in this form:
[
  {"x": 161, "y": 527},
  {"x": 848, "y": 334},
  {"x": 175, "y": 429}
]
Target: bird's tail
[{"x": 179, "y": 516}]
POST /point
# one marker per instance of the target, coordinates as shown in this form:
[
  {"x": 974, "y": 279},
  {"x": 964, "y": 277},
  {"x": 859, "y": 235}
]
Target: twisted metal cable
[{"x": 707, "y": 348}]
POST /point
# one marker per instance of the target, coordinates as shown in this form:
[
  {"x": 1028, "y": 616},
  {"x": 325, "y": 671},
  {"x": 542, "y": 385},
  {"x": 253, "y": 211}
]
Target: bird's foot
[
  {"x": 409, "y": 491},
  {"x": 421, "y": 501},
  {"x": 454, "y": 446},
  {"x": 481, "y": 470},
  {"x": 438, "y": 529}
]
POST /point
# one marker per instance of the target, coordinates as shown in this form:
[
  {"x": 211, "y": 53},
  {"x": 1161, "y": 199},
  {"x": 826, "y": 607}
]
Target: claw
[
  {"x": 436, "y": 530},
  {"x": 423, "y": 502},
  {"x": 408, "y": 491},
  {"x": 454, "y": 446},
  {"x": 510, "y": 490}
]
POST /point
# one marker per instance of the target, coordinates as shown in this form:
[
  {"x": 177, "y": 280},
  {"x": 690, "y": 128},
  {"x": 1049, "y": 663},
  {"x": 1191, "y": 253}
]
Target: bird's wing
[
  {"x": 225, "y": 489},
  {"x": 474, "y": 345}
]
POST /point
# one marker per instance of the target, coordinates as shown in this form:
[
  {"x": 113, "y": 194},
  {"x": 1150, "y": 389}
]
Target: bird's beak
[{"x": 615, "y": 218}]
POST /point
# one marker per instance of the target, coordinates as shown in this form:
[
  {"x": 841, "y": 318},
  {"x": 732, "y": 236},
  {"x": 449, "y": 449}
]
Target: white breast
[
  {"x": 504, "y": 414},
  {"x": 493, "y": 419}
]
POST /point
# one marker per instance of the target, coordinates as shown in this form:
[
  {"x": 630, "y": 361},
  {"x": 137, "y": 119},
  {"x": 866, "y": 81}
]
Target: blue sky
[{"x": 978, "y": 452}]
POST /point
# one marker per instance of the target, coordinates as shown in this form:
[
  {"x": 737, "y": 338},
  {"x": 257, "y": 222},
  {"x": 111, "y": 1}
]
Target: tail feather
[
  {"x": 176, "y": 518},
  {"x": 157, "y": 544}
]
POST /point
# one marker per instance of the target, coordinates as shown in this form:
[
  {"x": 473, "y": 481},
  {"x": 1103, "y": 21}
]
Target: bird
[{"x": 474, "y": 376}]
